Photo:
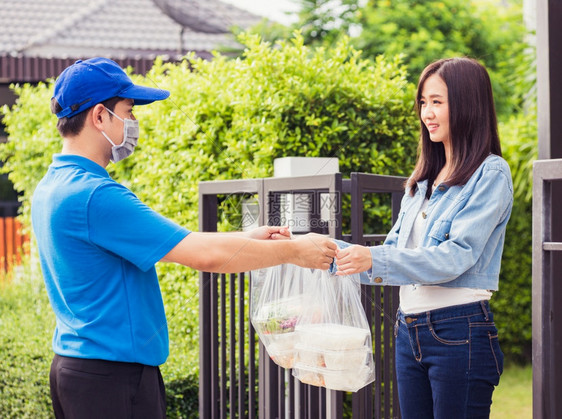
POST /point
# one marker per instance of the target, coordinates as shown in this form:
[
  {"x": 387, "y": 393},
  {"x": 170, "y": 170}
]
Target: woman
[{"x": 445, "y": 249}]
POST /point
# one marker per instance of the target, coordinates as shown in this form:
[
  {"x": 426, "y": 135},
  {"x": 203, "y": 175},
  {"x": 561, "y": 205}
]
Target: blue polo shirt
[{"x": 98, "y": 244}]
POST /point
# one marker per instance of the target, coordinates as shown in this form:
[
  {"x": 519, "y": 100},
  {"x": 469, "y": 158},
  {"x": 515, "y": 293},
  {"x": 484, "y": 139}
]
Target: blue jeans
[{"x": 448, "y": 362}]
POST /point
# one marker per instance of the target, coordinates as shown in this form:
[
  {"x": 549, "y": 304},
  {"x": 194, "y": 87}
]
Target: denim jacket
[{"x": 463, "y": 241}]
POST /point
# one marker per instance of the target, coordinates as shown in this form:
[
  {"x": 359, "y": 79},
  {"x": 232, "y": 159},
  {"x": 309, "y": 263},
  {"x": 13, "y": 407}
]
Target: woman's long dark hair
[{"x": 472, "y": 122}]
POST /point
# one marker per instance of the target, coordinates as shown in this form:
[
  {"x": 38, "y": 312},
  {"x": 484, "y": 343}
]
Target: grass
[{"x": 513, "y": 398}]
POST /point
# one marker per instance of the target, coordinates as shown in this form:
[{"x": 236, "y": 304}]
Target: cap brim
[{"x": 143, "y": 95}]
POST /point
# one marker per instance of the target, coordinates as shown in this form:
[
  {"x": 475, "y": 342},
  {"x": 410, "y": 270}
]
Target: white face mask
[{"x": 130, "y": 139}]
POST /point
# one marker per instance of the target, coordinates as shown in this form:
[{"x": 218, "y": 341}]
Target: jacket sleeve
[{"x": 455, "y": 244}]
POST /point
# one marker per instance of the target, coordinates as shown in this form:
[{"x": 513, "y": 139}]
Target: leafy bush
[
  {"x": 26, "y": 329},
  {"x": 32, "y": 140},
  {"x": 229, "y": 119},
  {"x": 512, "y": 304}
]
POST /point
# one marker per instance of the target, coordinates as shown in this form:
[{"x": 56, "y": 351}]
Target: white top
[{"x": 421, "y": 298}]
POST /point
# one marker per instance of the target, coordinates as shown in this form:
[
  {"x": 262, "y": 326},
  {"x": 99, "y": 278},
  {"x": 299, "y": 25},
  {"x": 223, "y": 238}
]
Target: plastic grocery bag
[
  {"x": 277, "y": 300},
  {"x": 334, "y": 346}
]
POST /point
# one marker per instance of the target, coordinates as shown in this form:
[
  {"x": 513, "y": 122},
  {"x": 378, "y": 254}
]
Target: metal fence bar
[
  {"x": 334, "y": 404},
  {"x": 223, "y": 343},
  {"x": 388, "y": 355},
  {"x": 241, "y": 384},
  {"x": 214, "y": 348},
  {"x": 547, "y": 326},
  {"x": 207, "y": 222},
  {"x": 363, "y": 399},
  {"x": 268, "y": 376},
  {"x": 232, "y": 343},
  {"x": 395, "y": 403},
  {"x": 378, "y": 384},
  {"x": 252, "y": 397},
  {"x": 291, "y": 410}
]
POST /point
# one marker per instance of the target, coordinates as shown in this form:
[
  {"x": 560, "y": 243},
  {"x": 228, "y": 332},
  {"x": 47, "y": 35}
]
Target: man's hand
[
  {"x": 353, "y": 259},
  {"x": 269, "y": 233},
  {"x": 314, "y": 251}
]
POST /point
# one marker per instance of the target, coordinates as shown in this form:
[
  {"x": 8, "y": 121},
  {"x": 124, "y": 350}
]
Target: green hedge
[
  {"x": 26, "y": 330},
  {"x": 512, "y": 304}
]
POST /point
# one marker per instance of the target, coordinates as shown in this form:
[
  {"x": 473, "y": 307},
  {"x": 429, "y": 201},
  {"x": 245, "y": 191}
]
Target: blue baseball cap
[{"x": 86, "y": 83}]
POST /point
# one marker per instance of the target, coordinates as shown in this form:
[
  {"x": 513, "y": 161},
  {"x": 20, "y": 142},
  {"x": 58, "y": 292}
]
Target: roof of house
[
  {"x": 116, "y": 28},
  {"x": 140, "y": 30}
]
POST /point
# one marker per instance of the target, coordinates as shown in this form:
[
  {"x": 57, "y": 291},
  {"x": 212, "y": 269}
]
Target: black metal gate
[{"x": 237, "y": 377}]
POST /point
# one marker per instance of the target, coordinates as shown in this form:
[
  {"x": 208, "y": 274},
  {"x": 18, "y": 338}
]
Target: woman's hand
[{"x": 353, "y": 259}]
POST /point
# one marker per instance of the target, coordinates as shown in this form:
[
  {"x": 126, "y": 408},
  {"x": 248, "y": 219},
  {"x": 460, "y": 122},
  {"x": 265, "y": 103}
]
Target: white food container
[
  {"x": 281, "y": 348},
  {"x": 343, "y": 359},
  {"x": 309, "y": 356},
  {"x": 308, "y": 376},
  {"x": 343, "y": 380},
  {"x": 279, "y": 342},
  {"x": 285, "y": 359},
  {"x": 347, "y": 380},
  {"x": 333, "y": 337}
]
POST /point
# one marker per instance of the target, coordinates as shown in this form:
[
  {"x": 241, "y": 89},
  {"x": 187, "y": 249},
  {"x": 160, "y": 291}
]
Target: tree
[
  {"x": 423, "y": 31},
  {"x": 327, "y": 21}
]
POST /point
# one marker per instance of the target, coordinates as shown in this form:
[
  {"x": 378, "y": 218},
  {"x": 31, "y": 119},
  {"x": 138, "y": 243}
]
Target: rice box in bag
[{"x": 334, "y": 348}]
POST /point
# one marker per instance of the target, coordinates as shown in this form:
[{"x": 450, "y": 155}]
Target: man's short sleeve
[{"x": 121, "y": 224}]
